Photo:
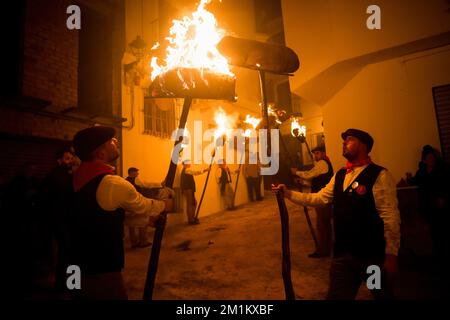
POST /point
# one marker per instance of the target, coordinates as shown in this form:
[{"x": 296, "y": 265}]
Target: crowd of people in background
[
  {"x": 317, "y": 178},
  {"x": 188, "y": 188},
  {"x": 44, "y": 205},
  {"x": 76, "y": 215}
]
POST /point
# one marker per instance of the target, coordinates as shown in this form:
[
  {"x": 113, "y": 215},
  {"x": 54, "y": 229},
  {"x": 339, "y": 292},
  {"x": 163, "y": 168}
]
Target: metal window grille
[
  {"x": 159, "y": 117},
  {"x": 441, "y": 96}
]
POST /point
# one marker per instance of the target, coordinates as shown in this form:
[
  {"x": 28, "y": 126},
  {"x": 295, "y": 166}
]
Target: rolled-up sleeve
[
  {"x": 193, "y": 172},
  {"x": 385, "y": 195},
  {"x": 147, "y": 184},
  {"x": 115, "y": 192},
  {"x": 318, "y": 199},
  {"x": 319, "y": 168}
]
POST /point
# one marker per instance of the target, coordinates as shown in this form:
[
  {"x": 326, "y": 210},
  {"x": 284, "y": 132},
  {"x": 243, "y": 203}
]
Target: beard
[
  {"x": 348, "y": 154},
  {"x": 114, "y": 155}
]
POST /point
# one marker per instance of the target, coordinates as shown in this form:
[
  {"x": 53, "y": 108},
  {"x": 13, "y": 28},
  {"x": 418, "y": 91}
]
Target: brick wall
[
  {"x": 50, "y": 71},
  {"x": 50, "y": 62},
  {"x": 35, "y": 125}
]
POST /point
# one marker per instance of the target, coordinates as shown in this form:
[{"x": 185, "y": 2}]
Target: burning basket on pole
[
  {"x": 193, "y": 70},
  {"x": 196, "y": 69}
]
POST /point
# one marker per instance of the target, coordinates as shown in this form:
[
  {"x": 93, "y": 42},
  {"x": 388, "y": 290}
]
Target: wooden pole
[
  {"x": 286, "y": 264},
  {"x": 204, "y": 186},
  {"x": 152, "y": 267},
  {"x": 302, "y": 139},
  {"x": 237, "y": 177},
  {"x": 284, "y": 215}
]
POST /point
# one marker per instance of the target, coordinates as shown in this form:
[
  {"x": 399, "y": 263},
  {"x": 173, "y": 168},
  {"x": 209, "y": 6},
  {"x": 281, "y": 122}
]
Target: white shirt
[
  {"x": 385, "y": 195},
  {"x": 147, "y": 184},
  {"x": 320, "y": 167},
  {"x": 115, "y": 192},
  {"x": 193, "y": 172}
]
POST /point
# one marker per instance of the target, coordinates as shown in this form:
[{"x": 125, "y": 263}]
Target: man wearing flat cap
[
  {"x": 319, "y": 176},
  {"x": 366, "y": 219},
  {"x": 97, "y": 221}
]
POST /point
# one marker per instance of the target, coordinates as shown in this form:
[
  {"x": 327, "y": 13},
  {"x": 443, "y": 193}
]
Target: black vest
[
  {"x": 96, "y": 234},
  {"x": 187, "y": 181},
  {"x": 321, "y": 181},
  {"x": 359, "y": 230}
]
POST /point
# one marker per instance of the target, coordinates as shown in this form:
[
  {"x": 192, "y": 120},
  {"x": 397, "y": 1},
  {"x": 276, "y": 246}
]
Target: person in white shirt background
[
  {"x": 318, "y": 177},
  {"x": 187, "y": 184},
  {"x": 137, "y": 228}
]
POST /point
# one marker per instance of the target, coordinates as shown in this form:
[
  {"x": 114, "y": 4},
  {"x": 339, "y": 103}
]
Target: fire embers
[
  {"x": 195, "y": 83},
  {"x": 193, "y": 66}
]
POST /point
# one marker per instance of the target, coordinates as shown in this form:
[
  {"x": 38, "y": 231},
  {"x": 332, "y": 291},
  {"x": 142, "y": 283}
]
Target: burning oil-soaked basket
[
  {"x": 187, "y": 83},
  {"x": 193, "y": 83}
]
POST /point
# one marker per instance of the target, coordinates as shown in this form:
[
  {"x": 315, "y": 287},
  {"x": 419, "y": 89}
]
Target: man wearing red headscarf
[
  {"x": 366, "y": 219},
  {"x": 101, "y": 199}
]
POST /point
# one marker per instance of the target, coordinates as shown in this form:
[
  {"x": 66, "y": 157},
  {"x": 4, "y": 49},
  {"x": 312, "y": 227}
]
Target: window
[
  {"x": 441, "y": 97},
  {"x": 159, "y": 117}
]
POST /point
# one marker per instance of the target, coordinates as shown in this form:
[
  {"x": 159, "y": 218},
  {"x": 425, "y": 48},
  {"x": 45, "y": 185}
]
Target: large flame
[
  {"x": 296, "y": 129},
  {"x": 225, "y": 123},
  {"x": 192, "y": 44},
  {"x": 251, "y": 121},
  {"x": 273, "y": 112}
]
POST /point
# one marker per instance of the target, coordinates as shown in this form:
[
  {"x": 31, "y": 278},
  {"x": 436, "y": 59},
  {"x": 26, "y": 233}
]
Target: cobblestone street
[{"x": 232, "y": 255}]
